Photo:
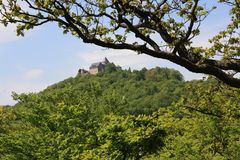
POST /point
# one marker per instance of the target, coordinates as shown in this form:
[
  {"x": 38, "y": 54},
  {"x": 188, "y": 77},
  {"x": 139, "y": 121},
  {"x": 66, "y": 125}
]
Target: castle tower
[{"x": 106, "y": 61}]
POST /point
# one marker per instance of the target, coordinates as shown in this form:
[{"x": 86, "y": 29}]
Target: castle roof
[
  {"x": 106, "y": 60},
  {"x": 97, "y": 64}
]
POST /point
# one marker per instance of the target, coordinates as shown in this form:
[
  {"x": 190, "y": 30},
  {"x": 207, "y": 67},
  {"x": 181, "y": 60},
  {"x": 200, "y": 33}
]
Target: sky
[{"x": 45, "y": 56}]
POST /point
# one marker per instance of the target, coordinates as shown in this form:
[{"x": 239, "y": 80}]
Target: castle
[{"x": 95, "y": 68}]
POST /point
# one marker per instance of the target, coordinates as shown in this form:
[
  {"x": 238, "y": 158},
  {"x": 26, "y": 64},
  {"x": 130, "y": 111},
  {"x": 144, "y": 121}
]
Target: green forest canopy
[
  {"x": 110, "y": 23},
  {"x": 148, "y": 114}
]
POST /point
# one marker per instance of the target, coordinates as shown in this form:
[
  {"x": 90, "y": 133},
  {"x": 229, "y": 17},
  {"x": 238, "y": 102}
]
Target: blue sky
[{"x": 45, "y": 56}]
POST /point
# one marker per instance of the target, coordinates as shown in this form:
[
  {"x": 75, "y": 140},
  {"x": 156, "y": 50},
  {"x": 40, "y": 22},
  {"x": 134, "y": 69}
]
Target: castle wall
[
  {"x": 93, "y": 71},
  {"x": 95, "y": 68}
]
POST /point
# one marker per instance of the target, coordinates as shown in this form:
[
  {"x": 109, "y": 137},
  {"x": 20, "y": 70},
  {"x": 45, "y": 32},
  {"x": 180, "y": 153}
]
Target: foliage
[
  {"x": 127, "y": 137},
  {"x": 204, "y": 124},
  {"x": 121, "y": 88},
  {"x": 80, "y": 119}
]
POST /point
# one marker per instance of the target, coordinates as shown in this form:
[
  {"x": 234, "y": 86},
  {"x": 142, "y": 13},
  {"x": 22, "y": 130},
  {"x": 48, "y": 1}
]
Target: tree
[
  {"x": 127, "y": 137},
  {"x": 109, "y": 23},
  {"x": 204, "y": 124}
]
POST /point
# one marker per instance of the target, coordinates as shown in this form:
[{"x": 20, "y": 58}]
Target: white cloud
[
  {"x": 123, "y": 58},
  {"x": 18, "y": 87},
  {"x": 33, "y": 74},
  {"x": 126, "y": 59},
  {"x": 8, "y": 33}
]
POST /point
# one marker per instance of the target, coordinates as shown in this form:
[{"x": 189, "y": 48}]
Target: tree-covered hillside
[
  {"x": 138, "y": 92},
  {"x": 122, "y": 114}
]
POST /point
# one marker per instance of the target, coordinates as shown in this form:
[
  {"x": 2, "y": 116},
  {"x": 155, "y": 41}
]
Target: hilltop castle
[{"x": 95, "y": 68}]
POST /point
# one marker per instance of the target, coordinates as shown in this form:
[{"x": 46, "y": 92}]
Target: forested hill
[
  {"x": 141, "y": 91},
  {"x": 121, "y": 114}
]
